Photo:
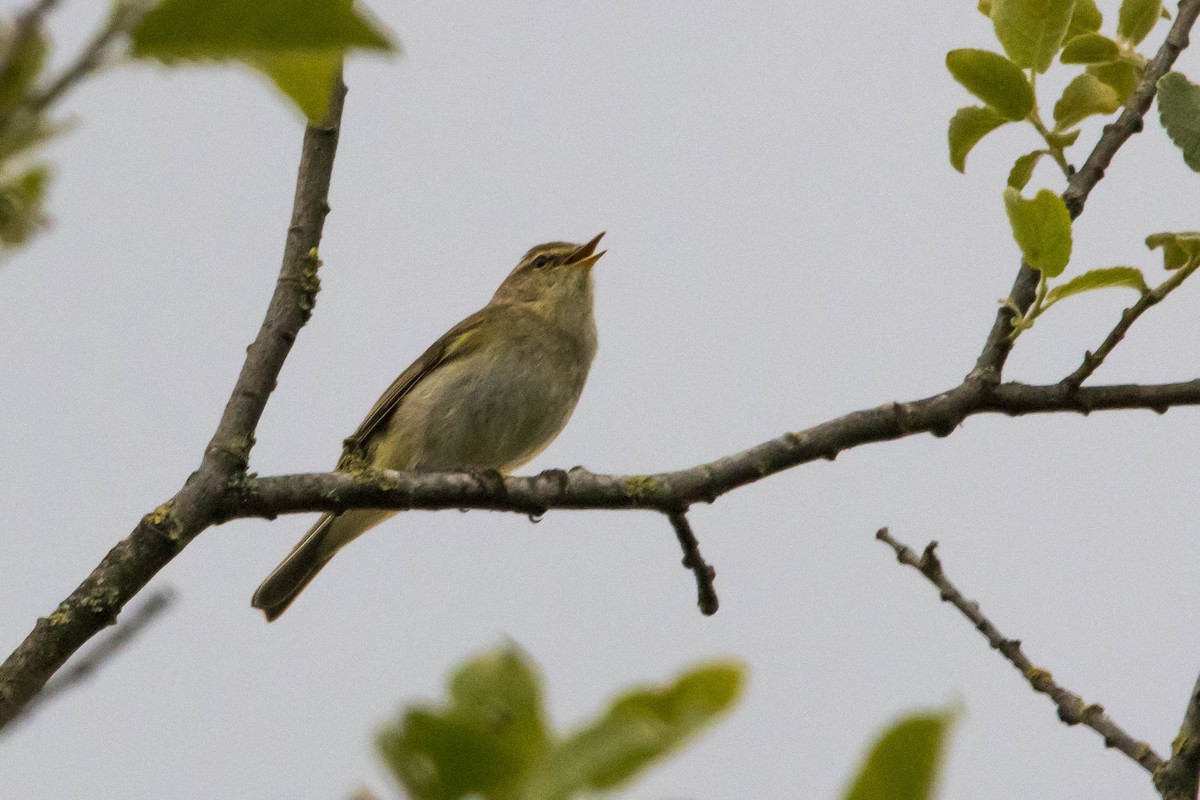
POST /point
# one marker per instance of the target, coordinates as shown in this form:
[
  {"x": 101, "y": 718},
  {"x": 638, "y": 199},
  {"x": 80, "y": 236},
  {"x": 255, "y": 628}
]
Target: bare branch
[
  {"x": 86, "y": 665},
  {"x": 1092, "y": 361},
  {"x": 162, "y": 534},
  {"x": 990, "y": 364},
  {"x": 706, "y": 593},
  {"x": 1071, "y": 707},
  {"x": 669, "y": 491},
  {"x": 1179, "y": 778}
]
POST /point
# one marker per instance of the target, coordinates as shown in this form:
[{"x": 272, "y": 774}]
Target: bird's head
[{"x": 553, "y": 278}]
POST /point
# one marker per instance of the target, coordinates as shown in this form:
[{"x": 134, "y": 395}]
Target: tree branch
[
  {"x": 1071, "y": 707},
  {"x": 1092, "y": 361},
  {"x": 1179, "y": 778},
  {"x": 669, "y": 491},
  {"x": 706, "y": 593},
  {"x": 162, "y": 534},
  {"x": 85, "y": 666},
  {"x": 990, "y": 364}
]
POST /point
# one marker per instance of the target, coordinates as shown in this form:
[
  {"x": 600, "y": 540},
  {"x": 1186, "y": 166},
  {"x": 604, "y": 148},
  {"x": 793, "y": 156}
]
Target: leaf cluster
[
  {"x": 23, "y": 178},
  {"x": 491, "y": 740},
  {"x": 1032, "y": 33}
]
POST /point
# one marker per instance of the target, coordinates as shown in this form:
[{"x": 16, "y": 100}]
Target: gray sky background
[{"x": 787, "y": 242}]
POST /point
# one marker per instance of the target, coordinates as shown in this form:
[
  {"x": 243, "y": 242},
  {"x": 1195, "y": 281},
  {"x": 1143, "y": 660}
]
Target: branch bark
[
  {"x": 1179, "y": 778},
  {"x": 162, "y": 534},
  {"x": 668, "y": 492},
  {"x": 1072, "y": 709}
]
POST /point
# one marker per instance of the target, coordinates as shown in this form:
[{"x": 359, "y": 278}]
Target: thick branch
[
  {"x": 161, "y": 535},
  {"x": 1179, "y": 778},
  {"x": 669, "y": 491},
  {"x": 104, "y": 649},
  {"x": 990, "y": 364},
  {"x": 1071, "y": 707}
]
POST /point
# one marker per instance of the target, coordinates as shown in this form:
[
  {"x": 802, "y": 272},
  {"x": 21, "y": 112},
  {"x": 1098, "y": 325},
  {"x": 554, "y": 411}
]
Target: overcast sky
[{"x": 787, "y": 242}]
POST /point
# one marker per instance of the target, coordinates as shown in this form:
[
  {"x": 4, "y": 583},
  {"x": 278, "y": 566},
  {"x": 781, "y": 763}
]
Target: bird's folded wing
[{"x": 455, "y": 343}]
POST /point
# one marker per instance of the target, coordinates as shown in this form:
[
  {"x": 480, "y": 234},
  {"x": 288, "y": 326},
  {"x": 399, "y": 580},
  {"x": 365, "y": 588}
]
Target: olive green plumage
[{"x": 491, "y": 393}]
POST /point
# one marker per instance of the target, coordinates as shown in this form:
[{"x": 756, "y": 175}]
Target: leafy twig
[
  {"x": 1071, "y": 707},
  {"x": 1092, "y": 361},
  {"x": 990, "y": 365},
  {"x": 123, "y": 17}
]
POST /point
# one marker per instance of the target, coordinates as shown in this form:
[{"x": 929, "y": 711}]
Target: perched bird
[{"x": 492, "y": 393}]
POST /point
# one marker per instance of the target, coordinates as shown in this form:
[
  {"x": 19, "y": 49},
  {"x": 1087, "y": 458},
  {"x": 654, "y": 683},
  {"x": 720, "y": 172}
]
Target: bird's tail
[{"x": 323, "y": 540}]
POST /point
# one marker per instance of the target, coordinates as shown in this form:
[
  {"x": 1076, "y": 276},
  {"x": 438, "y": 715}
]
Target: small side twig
[
  {"x": 706, "y": 593},
  {"x": 82, "y": 668},
  {"x": 1179, "y": 778},
  {"x": 121, "y": 20},
  {"x": 1072, "y": 709},
  {"x": 1092, "y": 361}
]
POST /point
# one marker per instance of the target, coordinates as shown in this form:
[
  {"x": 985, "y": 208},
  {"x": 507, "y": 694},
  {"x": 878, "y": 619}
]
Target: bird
[{"x": 490, "y": 394}]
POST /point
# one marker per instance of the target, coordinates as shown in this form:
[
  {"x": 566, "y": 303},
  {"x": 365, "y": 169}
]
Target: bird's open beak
[{"x": 586, "y": 255}]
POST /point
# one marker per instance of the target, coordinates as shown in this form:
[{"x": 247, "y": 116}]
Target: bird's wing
[{"x": 455, "y": 343}]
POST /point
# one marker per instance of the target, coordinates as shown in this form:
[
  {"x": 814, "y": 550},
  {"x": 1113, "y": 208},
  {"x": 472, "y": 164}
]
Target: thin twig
[
  {"x": 163, "y": 533},
  {"x": 1072, "y": 709},
  {"x": 1179, "y": 778},
  {"x": 121, "y": 20},
  {"x": 83, "y": 667},
  {"x": 1092, "y": 361},
  {"x": 990, "y": 365},
  {"x": 706, "y": 593}
]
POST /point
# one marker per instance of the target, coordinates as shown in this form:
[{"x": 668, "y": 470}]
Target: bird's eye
[{"x": 540, "y": 262}]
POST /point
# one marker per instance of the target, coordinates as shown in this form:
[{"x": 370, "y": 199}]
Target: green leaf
[
  {"x": 1022, "y": 169},
  {"x": 1062, "y": 139},
  {"x": 1032, "y": 31},
  {"x": 483, "y": 742},
  {"x": 1179, "y": 111},
  {"x": 1084, "y": 96},
  {"x": 993, "y": 79},
  {"x": 1099, "y": 279},
  {"x": 640, "y": 727},
  {"x": 296, "y": 43},
  {"x": 967, "y": 127},
  {"x": 1120, "y": 75},
  {"x": 1086, "y": 18},
  {"x": 1042, "y": 229},
  {"x": 985, "y": 7},
  {"x": 1137, "y": 18},
  {"x": 25, "y": 64},
  {"x": 21, "y": 206},
  {"x": 1179, "y": 249},
  {"x": 306, "y": 78},
  {"x": 1090, "y": 48},
  {"x": 234, "y": 28},
  {"x": 905, "y": 760}
]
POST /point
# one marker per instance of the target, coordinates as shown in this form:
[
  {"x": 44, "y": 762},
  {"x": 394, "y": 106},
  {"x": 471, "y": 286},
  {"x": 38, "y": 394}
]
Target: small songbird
[{"x": 490, "y": 394}]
